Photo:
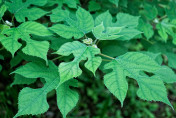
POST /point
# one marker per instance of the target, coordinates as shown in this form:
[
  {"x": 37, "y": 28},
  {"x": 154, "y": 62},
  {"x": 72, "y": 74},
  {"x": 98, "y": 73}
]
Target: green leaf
[
  {"x": 76, "y": 28},
  {"x": 123, "y": 20},
  {"x": 33, "y": 101},
  {"x": 166, "y": 28},
  {"x": 21, "y": 9},
  {"x": 18, "y": 79},
  {"x": 171, "y": 10},
  {"x": 67, "y": 31},
  {"x": 3, "y": 9},
  {"x": 131, "y": 64},
  {"x": 171, "y": 59},
  {"x": 59, "y": 15},
  {"x": 34, "y": 48},
  {"x": 166, "y": 74},
  {"x": 80, "y": 51},
  {"x": 116, "y": 2},
  {"x": 128, "y": 31},
  {"x": 116, "y": 81},
  {"x": 150, "y": 11},
  {"x": 11, "y": 43},
  {"x": 69, "y": 3},
  {"x": 152, "y": 89},
  {"x": 93, "y": 6},
  {"x": 66, "y": 98},
  {"x": 35, "y": 28},
  {"x": 110, "y": 33},
  {"x": 146, "y": 28},
  {"x": 3, "y": 27},
  {"x": 106, "y": 18},
  {"x": 162, "y": 32}
]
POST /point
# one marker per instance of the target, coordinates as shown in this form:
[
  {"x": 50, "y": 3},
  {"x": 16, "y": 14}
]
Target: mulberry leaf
[
  {"x": 21, "y": 9},
  {"x": 80, "y": 51},
  {"x": 75, "y": 28},
  {"x": 131, "y": 65},
  {"x": 34, "y": 48}
]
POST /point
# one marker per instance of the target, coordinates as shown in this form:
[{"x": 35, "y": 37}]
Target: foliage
[{"x": 117, "y": 40}]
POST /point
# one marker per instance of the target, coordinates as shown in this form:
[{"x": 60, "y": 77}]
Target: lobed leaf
[{"x": 80, "y": 51}]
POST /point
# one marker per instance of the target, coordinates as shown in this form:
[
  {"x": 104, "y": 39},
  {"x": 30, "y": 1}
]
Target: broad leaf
[
  {"x": 166, "y": 74},
  {"x": 146, "y": 28},
  {"x": 116, "y": 2},
  {"x": 131, "y": 64},
  {"x": 21, "y": 9},
  {"x": 171, "y": 10},
  {"x": 109, "y": 34},
  {"x": 18, "y": 79},
  {"x": 166, "y": 28},
  {"x": 128, "y": 31},
  {"x": 80, "y": 51},
  {"x": 34, "y": 48},
  {"x": 67, "y": 98},
  {"x": 76, "y": 28},
  {"x": 94, "y": 6},
  {"x": 152, "y": 89},
  {"x": 3, "y": 9},
  {"x": 33, "y": 101},
  {"x": 69, "y": 3}
]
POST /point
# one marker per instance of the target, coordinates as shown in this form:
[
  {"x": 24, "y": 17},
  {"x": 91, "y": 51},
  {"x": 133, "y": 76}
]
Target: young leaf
[
  {"x": 166, "y": 28},
  {"x": 131, "y": 64},
  {"x": 84, "y": 24},
  {"x": 80, "y": 51},
  {"x": 110, "y": 33},
  {"x": 146, "y": 28},
  {"x": 21, "y": 9},
  {"x": 129, "y": 26}
]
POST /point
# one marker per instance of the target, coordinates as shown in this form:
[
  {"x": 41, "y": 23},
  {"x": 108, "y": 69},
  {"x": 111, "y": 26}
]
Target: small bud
[
  {"x": 8, "y": 23},
  {"x": 95, "y": 46},
  {"x": 156, "y": 20},
  {"x": 88, "y": 41}
]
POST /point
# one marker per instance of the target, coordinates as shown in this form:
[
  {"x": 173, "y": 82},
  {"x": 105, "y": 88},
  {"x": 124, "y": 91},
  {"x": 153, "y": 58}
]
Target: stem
[
  {"x": 85, "y": 36},
  {"x": 12, "y": 21},
  {"x": 106, "y": 60},
  {"x": 1, "y": 48},
  {"x": 162, "y": 17},
  {"x": 2, "y": 20},
  {"x": 57, "y": 58},
  {"x": 106, "y": 56},
  {"x": 97, "y": 42}
]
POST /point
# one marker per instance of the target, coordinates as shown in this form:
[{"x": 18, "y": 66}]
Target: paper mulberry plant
[{"x": 50, "y": 39}]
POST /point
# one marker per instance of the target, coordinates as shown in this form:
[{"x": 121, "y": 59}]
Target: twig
[
  {"x": 106, "y": 56},
  {"x": 57, "y": 58}
]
